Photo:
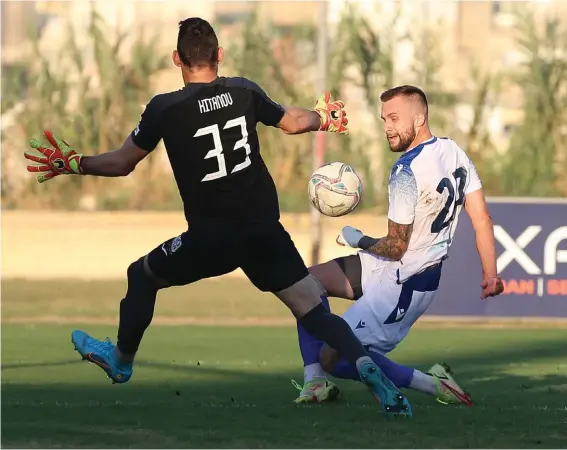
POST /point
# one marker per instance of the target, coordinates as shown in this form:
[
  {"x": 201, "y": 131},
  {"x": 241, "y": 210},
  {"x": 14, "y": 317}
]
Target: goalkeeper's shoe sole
[
  {"x": 101, "y": 353},
  {"x": 392, "y": 401}
]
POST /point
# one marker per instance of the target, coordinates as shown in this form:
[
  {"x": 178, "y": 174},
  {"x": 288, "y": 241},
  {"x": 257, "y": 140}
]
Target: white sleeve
[
  {"x": 474, "y": 183},
  {"x": 402, "y": 196}
]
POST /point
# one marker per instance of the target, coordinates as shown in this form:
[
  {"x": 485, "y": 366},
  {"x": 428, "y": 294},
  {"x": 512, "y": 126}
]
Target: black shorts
[{"x": 264, "y": 251}]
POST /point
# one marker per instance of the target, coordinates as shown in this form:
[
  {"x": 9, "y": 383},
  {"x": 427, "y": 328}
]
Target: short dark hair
[
  {"x": 197, "y": 43},
  {"x": 405, "y": 91}
]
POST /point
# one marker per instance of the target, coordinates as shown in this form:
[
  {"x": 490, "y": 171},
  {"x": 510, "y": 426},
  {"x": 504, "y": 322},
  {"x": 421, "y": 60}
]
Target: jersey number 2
[
  {"x": 460, "y": 176},
  {"x": 216, "y": 152}
]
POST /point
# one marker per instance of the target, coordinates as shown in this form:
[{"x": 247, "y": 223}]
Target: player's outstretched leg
[
  {"x": 400, "y": 375},
  {"x": 316, "y": 388},
  {"x": 136, "y": 313},
  {"x": 336, "y": 332},
  {"x": 392, "y": 400},
  {"x": 438, "y": 381}
]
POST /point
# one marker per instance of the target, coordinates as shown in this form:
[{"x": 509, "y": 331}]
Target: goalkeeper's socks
[
  {"x": 123, "y": 358},
  {"x": 309, "y": 345},
  {"x": 136, "y": 309},
  {"x": 334, "y": 331},
  {"x": 400, "y": 375}
]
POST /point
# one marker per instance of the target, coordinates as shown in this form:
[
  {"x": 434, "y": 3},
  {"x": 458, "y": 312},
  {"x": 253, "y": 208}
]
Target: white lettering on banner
[
  {"x": 552, "y": 256},
  {"x": 540, "y": 287},
  {"x": 514, "y": 249}
]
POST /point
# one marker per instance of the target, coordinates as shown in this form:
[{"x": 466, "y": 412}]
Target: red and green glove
[
  {"x": 60, "y": 160},
  {"x": 332, "y": 113}
]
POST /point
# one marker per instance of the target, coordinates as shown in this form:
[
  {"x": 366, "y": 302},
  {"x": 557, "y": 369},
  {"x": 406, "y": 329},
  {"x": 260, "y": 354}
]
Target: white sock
[
  {"x": 423, "y": 383},
  {"x": 313, "y": 371}
]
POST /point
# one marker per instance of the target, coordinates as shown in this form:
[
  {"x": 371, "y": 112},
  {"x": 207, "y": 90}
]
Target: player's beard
[{"x": 402, "y": 141}]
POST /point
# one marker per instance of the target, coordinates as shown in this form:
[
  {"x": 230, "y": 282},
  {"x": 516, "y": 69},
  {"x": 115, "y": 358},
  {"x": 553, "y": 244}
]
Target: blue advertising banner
[{"x": 531, "y": 245}]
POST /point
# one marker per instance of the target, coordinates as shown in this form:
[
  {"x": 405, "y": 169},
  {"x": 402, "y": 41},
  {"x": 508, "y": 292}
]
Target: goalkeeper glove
[
  {"x": 60, "y": 160},
  {"x": 332, "y": 114}
]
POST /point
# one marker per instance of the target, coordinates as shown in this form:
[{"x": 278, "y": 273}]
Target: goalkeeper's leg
[
  {"x": 341, "y": 278},
  {"x": 137, "y": 308},
  {"x": 177, "y": 262},
  {"x": 136, "y": 313}
]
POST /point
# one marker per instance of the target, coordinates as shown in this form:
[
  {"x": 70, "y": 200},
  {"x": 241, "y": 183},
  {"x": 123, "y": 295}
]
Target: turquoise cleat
[
  {"x": 103, "y": 355},
  {"x": 393, "y": 402}
]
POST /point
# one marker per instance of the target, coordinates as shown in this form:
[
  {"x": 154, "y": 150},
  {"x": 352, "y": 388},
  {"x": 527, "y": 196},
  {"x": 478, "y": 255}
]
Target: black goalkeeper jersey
[{"x": 209, "y": 132}]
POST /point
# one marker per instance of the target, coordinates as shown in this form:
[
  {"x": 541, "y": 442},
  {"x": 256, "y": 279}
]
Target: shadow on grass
[
  {"x": 208, "y": 406},
  {"x": 29, "y": 365}
]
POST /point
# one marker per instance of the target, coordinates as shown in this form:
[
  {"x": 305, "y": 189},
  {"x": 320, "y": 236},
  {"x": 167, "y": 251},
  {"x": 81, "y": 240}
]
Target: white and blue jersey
[
  {"x": 427, "y": 188},
  {"x": 428, "y": 185}
]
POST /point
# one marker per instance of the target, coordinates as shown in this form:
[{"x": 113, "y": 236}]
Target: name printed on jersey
[
  {"x": 210, "y": 135},
  {"x": 217, "y": 102}
]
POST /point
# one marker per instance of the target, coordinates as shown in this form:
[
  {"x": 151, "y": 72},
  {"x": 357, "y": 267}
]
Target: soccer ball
[{"x": 335, "y": 189}]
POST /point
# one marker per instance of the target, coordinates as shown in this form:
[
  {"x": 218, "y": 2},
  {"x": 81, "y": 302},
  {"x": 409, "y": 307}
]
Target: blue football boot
[
  {"x": 392, "y": 401},
  {"x": 101, "y": 353}
]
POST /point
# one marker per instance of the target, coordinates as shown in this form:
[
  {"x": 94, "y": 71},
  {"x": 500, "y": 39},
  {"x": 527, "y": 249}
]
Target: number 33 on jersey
[
  {"x": 217, "y": 151},
  {"x": 209, "y": 132},
  {"x": 428, "y": 186}
]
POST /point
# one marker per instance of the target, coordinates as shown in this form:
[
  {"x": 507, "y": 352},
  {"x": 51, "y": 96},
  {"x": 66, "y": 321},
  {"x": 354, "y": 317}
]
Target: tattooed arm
[
  {"x": 393, "y": 246},
  {"x": 401, "y": 215},
  {"x": 402, "y": 200}
]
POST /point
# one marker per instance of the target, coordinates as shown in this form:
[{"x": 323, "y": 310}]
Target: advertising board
[{"x": 531, "y": 245}]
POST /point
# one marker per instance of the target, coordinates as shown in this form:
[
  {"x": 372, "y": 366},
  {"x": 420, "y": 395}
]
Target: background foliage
[{"x": 96, "y": 102}]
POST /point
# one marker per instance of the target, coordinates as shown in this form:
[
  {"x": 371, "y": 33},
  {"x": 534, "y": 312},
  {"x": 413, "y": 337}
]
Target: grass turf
[
  {"x": 220, "y": 299},
  {"x": 230, "y": 387},
  {"x": 197, "y": 386}
]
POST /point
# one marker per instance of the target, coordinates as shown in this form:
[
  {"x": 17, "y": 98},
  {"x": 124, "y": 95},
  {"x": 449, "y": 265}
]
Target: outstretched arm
[
  {"x": 477, "y": 210},
  {"x": 117, "y": 163},
  {"x": 298, "y": 121},
  {"x": 62, "y": 159},
  {"x": 326, "y": 116}
]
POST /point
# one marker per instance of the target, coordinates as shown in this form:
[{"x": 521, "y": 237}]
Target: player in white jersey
[{"x": 394, "y": 279}]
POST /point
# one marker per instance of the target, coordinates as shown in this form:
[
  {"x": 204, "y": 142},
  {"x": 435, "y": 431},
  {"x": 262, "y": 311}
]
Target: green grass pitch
[{"x": 229, "y": 386}]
